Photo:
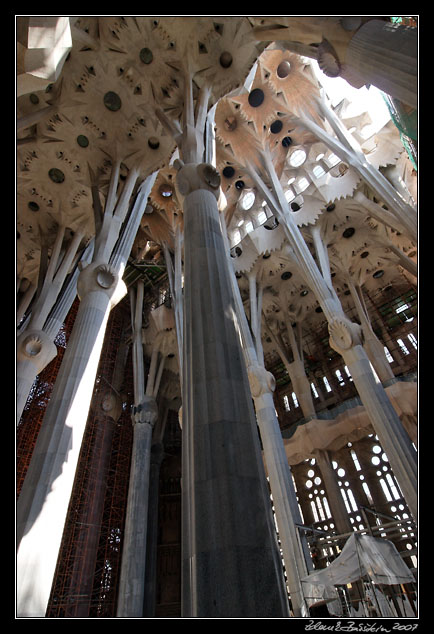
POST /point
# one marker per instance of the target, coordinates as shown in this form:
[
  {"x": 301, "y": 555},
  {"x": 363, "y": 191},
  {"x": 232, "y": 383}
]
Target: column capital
[
  {"x": 103, "y": 277},
  {"x": 145, "y": 412},
  {"x": 36, "y": 346},
  {"x": 344, "y": 334},
  {"x": 261, "y": 381},
  {"x": 193, "y": 176}
]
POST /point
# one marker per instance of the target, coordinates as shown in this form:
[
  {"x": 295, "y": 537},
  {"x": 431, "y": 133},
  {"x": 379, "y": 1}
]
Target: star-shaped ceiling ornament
[
  {"x": 261, "y": 105},
  {"x": 292, "y": 79}
]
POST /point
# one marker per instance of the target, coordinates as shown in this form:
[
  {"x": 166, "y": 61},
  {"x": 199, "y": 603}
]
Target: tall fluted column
[
  {"x": 385, "y": 55},
  {"x": 230, "y": 561},
  {"x": 294, "y": 546},
  {"x": 231, "y": 564}
]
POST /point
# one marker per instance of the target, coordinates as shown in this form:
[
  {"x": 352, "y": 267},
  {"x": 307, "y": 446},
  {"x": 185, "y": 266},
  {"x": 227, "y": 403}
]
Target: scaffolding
[{"x": 84, "y": 584}]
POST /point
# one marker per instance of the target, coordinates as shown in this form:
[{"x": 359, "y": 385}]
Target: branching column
[
  {"x": 43, "y": 503},
  {"x": 35, "y": 347},
  {"x": 144, "y": 417},
  {"x": 295, "y": 550},
  {"x": 346, "y": 339},
  {"x": 347, "y": 149}
]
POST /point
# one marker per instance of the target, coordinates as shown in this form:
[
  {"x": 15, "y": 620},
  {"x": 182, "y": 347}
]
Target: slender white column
[
  {"x": 43, "y": 502},
  {"x": 345, "y": 338},
  {"x": 374, "y": 348},
  {"x": 35, "y": 348},
  {"x": 346, "y": 147},
  {"x": 144, "y": 416},
  {"x": 295, "y": 550}
]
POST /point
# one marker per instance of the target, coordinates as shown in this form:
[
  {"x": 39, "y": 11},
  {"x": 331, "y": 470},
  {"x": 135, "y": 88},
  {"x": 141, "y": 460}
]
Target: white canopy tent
[{"x": 361, "y": 556}]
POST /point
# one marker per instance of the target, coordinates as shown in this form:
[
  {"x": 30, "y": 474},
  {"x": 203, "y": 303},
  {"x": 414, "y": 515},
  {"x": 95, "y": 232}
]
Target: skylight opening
[
  {"x": 289, "y": 195},
  {"x": 247, "y": 201},
  {"x": 302, "y": 184},
  {"x": 332, "y": 159},
  {"x": 318, "y": 171},
  {"x": 297, "y": 158},
  {"x": 262, "y": 217}
]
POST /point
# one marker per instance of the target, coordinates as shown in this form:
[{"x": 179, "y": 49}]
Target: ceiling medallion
[
  {"x": 82, "y": 140},
  {"x": 146, "y": 55},
  {"x": 56, "y": 175},
  {"x": 112, "y": 101}
]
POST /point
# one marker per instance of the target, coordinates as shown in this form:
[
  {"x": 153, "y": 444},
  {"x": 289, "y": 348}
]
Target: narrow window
[
  {"x": 402, "y": 346},
  {"x": 340, "y": 377},
  {"x": 413, "y": 340},
  {"x": 327, "y": 385},
  {"x": 314, "y": 391},
  {"x": 388, "y": 355},
  {"x": 286, "y": 403}
]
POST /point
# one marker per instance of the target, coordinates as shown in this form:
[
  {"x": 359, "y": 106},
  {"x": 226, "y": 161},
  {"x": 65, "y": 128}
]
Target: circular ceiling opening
[
  {"x": 348, "y": 232},
  {"x": 226, "y": 59},
  {"x": 82, "y": 140},
  {"x": 276, "y": 126},
  {"x": 283, "y": 69},
  {"x": 228, "y": 171},
  {"x": 56, "y": 175},
  {"x": 256, "y": 97},
  {"x": 297, "y": 158},
  {"x": 153, "y": 143},
  {"x": 286, "y": 275},
  {"x": 112, "y": 101},
  {"x": 146, "y": 55},
  {"x": 166, "y": 190}
]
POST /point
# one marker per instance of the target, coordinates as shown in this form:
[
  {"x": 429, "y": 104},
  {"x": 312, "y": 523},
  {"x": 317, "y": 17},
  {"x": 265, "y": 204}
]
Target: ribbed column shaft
[
  {"x": 43, "y": 502},
  {"x": 385, "y": 55},
  {"x": 231, "y": 565},
  {"x": 132, "y": 579}
]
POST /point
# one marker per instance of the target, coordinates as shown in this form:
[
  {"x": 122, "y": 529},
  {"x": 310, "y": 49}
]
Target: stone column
[
  {"x": 334, "y": 496},
  {"x": 144, "y": 417},
  {"x": 132, "y": 578},
  {"x": 35, "y": 348},
  {"x": 373, "y": 346},
  {"x": 231, "y": 564},
  {"x": 346, "y": 147},
  {"x": 43, "y": 502},
  {"x": 385, "y": 55},
  {"x": 296, "y": 554},
  {"x": 345, "y": 338}
]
